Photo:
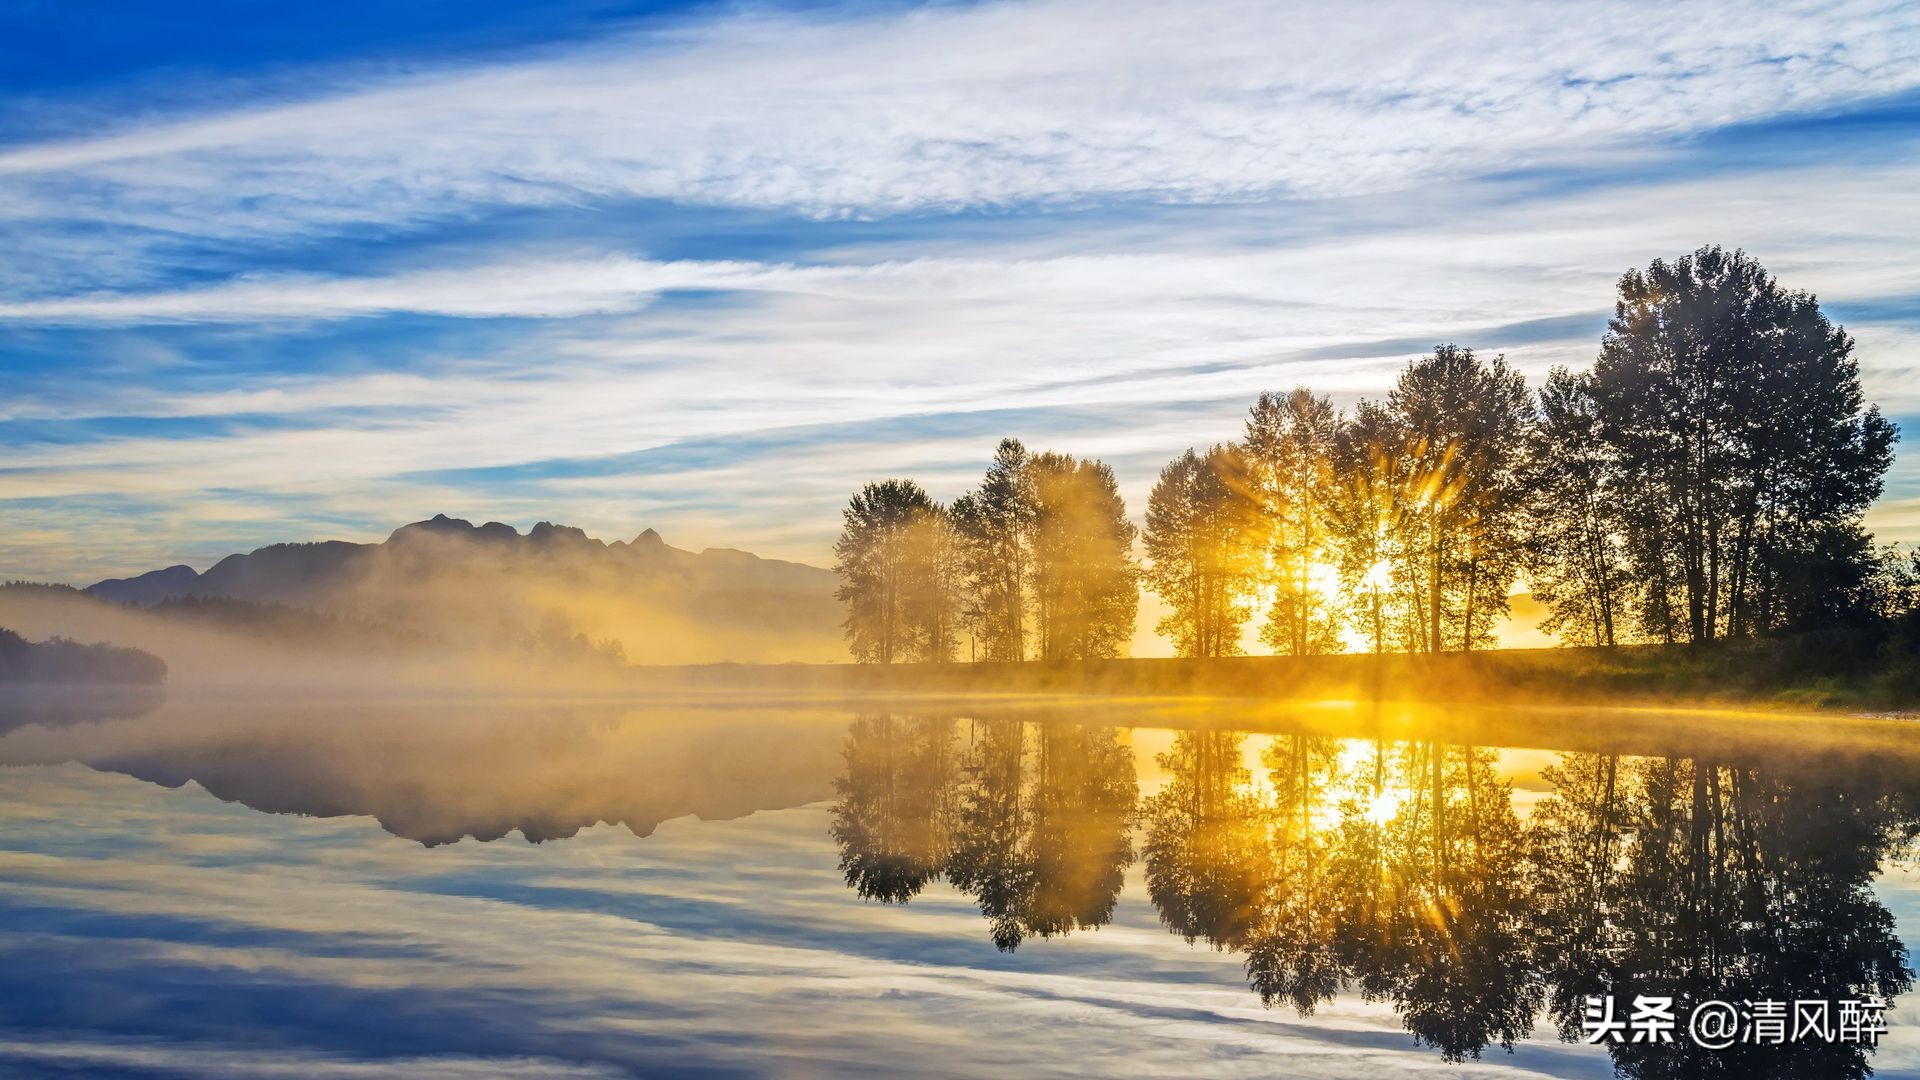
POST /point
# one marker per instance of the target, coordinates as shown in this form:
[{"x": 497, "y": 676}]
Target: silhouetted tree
[
  {"x": 1464, "y": 421},
  {"x": 1736, "y": 412},
  {"x": 1203, "y": 538},
  {"x": 893, "y": 561},
  {"x": 994, "y": 526},
  {"x": 1370, "y": 516},
  {"x": 1576, "y": 561},
  {"x": 60, "y": 660}
]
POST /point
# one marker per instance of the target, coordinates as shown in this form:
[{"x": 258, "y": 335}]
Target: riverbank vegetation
[{"x": 59, "y": 661}]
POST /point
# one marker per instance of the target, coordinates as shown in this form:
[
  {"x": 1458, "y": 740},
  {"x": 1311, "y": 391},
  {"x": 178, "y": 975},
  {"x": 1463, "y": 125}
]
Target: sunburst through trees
[{"x": 1707, "y": 479}]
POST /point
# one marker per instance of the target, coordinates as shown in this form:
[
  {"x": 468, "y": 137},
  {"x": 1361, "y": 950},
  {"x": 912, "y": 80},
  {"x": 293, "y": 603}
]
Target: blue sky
[{"x": 273, "y": 272}]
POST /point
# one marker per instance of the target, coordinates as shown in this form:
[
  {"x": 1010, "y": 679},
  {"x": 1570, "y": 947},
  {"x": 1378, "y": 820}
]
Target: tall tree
[
  {"x": 1370, "y": 520},
  {"x": 1736, "y": 410},
  {"x": 936, "y": 585},
  {"x": 888, "y": 558},
  {"x": 1465, "y": 421},
  {"x": 1203, "y": 536},
  {"x": 1575, "y": 559},
  {"x": 994, "y": 526},
  {"x": 1085, "y": 584},
  {"x": 1289, "y": 450}
]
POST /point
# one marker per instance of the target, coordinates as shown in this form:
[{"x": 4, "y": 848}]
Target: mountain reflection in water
[
  {"x": 1479, "y": 873},
  {"x": 1404, "y": 870}
]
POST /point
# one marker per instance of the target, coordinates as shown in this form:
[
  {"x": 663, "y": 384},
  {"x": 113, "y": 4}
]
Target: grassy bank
[{"x": 1851, "y": 670}]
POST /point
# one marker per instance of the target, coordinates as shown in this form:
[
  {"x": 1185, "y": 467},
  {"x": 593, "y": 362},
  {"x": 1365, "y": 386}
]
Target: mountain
[
  {"x": 149, "y": 588},
  {"x": 491, "y": 586}
]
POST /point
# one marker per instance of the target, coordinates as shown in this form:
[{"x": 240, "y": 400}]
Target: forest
[{"x": 1705, "y": 479}]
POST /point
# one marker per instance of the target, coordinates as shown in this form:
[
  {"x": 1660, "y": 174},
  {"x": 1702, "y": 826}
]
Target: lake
[{"x": 999, "y": 887}]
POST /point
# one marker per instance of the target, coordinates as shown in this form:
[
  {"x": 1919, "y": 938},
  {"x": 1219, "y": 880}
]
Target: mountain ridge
[
  {"x": 229, "y": 577},
  {"x": 552, "y": 589}
]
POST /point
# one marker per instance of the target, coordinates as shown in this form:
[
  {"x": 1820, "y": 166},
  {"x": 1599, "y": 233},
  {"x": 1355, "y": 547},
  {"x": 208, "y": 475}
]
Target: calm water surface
[{"x": 802, "y": 888}]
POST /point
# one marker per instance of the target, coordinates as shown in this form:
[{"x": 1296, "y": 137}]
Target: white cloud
[
  {"x": 961, "y": 106},
  {"x": 1094, "y": 346},
  {"x": 1005, "y": 103}
]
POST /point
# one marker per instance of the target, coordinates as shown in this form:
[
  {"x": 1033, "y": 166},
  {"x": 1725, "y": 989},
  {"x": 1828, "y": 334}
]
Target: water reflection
[
  {"x": 1480, "y": 897},
  {"x": 1714, "y": 881},
  {"x": 1407, "y": 871},
  {"x": 1030, "y": 820},
  {"x": 439, "y": 772},
  {"x": 62, "y": 706}
]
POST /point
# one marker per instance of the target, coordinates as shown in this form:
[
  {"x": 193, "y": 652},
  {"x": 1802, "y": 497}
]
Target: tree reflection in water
[
  {"x": 1712, "y": 881},
  {"x": 1404, "y": 872},
  {"x": 1032, "y": 821}
]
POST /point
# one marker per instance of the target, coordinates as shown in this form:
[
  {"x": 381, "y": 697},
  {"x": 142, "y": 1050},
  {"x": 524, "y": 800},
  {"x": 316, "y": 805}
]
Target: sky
[{"x": 298, "y": 272}]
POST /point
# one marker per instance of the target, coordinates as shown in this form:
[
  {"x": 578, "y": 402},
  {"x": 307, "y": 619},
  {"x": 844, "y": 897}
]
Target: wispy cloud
[
  {"x": 951, "y": 107},
  {"x": 1111, "y": 246}
]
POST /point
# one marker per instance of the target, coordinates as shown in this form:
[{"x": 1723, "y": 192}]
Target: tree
[
  {"x": 892, "y": 561},
  {"x": 993, "y": 526},
  {"x": 1736, "y": 412},
  {"x": 936, "y": 585},
  {"x": 1289, "y": 449},
  {"x": 1042, "y": 840},
  {"x": 1085, "y": 584},
  {"x": 1203, "y": 537},
  {"x": 1575, "y": 557},
  {"x": 1044, "y": 545},
  {"x": 1369, "y": 517},
  {"x": 1465, "y": 421}
]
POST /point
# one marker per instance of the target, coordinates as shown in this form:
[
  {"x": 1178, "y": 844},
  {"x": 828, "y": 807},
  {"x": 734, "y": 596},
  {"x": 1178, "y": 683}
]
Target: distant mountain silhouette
[
  {"x": 492, "y": 585},
  {"x": 149, "y": 588}
]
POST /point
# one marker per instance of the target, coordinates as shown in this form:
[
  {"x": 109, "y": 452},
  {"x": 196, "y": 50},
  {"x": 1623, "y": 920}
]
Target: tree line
[
  {"x": 1705, "y": 479},
  {"x": 60, "y": 661}
]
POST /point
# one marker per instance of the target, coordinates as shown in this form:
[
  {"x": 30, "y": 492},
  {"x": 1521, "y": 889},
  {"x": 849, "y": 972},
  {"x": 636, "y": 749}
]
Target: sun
[{"x": 1384, "y": 807}]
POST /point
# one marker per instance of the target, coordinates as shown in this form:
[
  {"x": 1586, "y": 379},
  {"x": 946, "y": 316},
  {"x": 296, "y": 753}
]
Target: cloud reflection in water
[{"x": 186, "y": 932}]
